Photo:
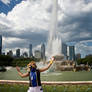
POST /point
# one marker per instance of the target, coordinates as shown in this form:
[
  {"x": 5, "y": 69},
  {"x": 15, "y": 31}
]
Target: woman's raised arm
[
  {"x": 46, "y": 68},
  {"x": 22, "y": 74}
]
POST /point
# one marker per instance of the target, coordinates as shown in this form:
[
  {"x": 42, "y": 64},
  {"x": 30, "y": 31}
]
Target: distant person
[{"x": 34, "y": 75}]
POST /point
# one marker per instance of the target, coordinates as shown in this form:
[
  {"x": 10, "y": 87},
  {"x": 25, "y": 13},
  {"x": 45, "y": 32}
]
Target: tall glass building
[
  {"x": 30, "y": 50},
  {"x": 18, "y": 53},
  {"x": 43, "y": 51},
  {"x": 72, "y": 53},
  {"x": 0, "y": 44},
  {"x": 64, "y": 50}
]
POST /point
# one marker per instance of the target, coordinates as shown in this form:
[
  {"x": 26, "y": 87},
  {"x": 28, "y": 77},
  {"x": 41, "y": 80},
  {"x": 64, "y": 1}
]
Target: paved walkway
[{"x": 48, "y": 82}]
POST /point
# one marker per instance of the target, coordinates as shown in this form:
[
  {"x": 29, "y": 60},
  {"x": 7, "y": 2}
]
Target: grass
[
  {"x": 68, "y": 76},
  {"x": 49, "y": 88},
  {"x": 13, "y": 88},
  {"x": 52, "y": 76}
]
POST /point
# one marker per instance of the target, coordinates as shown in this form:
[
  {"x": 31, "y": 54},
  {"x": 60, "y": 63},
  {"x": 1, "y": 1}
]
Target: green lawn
[
  {"x": 68, "y": 76},
  {"x": 52, "y": 76},
  {"x": 49, "y": 88}
]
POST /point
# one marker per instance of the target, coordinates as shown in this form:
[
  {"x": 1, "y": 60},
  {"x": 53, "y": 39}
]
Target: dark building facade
[
  {"x": 78, "y": 56},
  {"x": 37, "y": 54},
  {"x": 30, "y": 50},
  {"x": 64, "y": 50},
  {"x": 0, "y": 44},
  {"x": 10, "y": 53},
  {"x": 43, "y": 52},
  {"x": 72, "y": 53},
  {"x": 18, "y": 53}
]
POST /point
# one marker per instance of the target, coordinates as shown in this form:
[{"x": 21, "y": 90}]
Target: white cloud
[
  {"x": 6, "y": 1},
  {"x": 83, "y": 48},
  {"x": 75, "y": 7},
  {"x": 11, "y": 42},
  {"x": 29, "y": 14},
  {"x": 30, "y": 20},
  {"x": 5, "y": 21}
]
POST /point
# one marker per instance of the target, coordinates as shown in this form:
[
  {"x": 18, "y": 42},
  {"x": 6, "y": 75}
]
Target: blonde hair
[{"x": 33, "y": 64}]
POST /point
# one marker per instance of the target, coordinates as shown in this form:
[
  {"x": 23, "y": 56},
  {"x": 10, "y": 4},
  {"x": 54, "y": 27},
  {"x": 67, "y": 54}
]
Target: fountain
[
  {"x": 54, "y": 44},
  {"x": 54, "y": 41}
]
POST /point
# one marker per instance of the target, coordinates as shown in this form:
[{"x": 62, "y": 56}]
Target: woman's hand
[
  {"x": 51, "y": 60},
  {"x": 46, "y": 68},
  {"x": 18, "y": 69}
]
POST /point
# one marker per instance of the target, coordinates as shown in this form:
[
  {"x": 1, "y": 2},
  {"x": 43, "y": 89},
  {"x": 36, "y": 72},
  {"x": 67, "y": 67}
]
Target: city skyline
[
  {"x": 26, "y": 23},
  {"x": 41, "y": 54},
  {"x": 41, "y": 49}
]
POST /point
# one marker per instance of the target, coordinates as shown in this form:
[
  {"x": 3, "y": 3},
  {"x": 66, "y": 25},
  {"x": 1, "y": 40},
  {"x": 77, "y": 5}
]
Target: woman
[{"x": 34, "y": 75}]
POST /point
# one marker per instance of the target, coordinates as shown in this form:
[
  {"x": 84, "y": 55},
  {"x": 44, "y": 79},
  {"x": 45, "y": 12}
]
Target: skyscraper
[
  {"x": 37, "y": 54},
  {"x": 10, "y": 53},
  {"x": 43, "y": 52},
  {"x": 0, "y": 44},
  {"x": 30, "y": 50},
  {"x": 25, "y": 54},
  {"x": 78, "y": 56},
  {"x": 71, "y": 53},
  {"x": 64, "y": 50},
  {"x": 18, "y": 53}
]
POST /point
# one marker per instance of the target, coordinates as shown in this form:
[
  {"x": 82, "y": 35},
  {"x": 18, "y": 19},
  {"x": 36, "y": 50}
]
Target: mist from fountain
[{"x": 54, "y": 41}]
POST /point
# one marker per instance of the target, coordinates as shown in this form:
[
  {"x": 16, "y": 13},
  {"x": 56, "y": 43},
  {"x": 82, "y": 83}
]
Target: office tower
[
  {"x": 10, "y": 53},
  {"x": 37, "y": 54},
  {"x": 0, "y": 44},
  {"x": 64, "y": 50},
  {"x": 3, "y": 53},
  {"x": 18, "y": 53},
  {"x": 43, "y": 52},
  {"x": 25, "y": 54},
  {"x": 71, "y": 53},
  {"x": 78, "y": 56},
  {"x": 30, "y": 50}
]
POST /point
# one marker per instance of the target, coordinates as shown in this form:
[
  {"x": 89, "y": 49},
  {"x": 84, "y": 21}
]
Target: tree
[
  {"x": 86, "y": 60},
  {"x": 5, "y": 60}
]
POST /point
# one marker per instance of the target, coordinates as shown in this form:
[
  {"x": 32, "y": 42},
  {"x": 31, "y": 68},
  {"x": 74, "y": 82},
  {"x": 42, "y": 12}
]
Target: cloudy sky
[{"x": 28, "y": 21}]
